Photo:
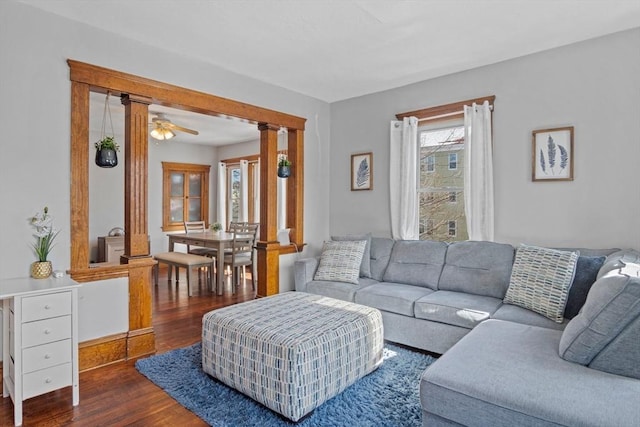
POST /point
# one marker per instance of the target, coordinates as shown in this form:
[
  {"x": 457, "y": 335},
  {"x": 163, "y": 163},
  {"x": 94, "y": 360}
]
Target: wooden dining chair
[
  {"x": 242, "y": 254},
  {"x": 199, "y": 227}
]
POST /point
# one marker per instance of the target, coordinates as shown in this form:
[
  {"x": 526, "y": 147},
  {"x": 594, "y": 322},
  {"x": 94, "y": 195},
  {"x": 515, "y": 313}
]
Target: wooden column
[
  {"x": 79, "y": 229},
  {"x": 295, "y": 187},
  {"x": 267, "y": 246},
  {"x": 141, "y": 337}
]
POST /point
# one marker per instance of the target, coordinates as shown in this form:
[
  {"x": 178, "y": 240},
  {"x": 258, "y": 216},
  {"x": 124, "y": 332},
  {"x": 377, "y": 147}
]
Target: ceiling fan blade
[{"x": 181, "y": 129}]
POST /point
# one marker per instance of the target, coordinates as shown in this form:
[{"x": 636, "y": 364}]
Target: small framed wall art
[
  {"x": 362, "y": 171},
  {"x": 553, "y": 154}
]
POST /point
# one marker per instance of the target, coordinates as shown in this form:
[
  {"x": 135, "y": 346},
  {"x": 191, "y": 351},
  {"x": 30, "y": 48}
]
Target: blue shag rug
[{"x": 389, "y": 396}]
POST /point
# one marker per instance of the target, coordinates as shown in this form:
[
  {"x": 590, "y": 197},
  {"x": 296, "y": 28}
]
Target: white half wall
[{"x": 592, "y": 85}]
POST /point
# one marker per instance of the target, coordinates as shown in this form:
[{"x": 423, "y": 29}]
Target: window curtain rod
[{"x": 444, "y": 111}]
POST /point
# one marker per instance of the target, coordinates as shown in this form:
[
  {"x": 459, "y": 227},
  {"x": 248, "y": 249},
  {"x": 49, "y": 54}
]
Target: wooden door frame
[{"x": 137, "y": 93}]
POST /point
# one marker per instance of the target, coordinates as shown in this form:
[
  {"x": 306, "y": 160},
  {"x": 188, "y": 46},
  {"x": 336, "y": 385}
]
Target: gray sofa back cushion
[
  {"x": 604, "y": 335},
  {"x": 479, "y": 268},
  {"x": 416, "y": 262},
  {"x": 618, "y": 260},
  {"x": 381, "y": 248}
]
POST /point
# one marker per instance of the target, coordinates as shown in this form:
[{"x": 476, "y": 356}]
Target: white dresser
[{"x": 40, "y": 338}]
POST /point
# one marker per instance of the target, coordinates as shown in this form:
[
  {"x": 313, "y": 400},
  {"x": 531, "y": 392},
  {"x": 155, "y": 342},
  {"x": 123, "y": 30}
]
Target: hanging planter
[
  {"x": 284, "y": 167},
  {"x": 106, "y": 148}
]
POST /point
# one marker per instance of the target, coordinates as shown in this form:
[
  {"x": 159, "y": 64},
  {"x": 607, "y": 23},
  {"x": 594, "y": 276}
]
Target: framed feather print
[
  {"x": 362, "y": 171},
  {"x": 553, "y": 154}
]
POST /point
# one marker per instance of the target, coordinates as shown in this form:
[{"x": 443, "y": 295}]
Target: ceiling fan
[{"x": 162, "y": 128}]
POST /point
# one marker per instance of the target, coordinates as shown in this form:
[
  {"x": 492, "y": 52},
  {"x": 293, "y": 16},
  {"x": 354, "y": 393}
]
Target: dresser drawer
[
  {"x": 46, "y": 331},
  {"x": 46, "y": 380},
  {"x": 45, "y": 356},
  {"x": 45, "y": 306}
]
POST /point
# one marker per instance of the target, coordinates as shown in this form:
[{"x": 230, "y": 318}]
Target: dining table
[{"x": 218, "y": 240}]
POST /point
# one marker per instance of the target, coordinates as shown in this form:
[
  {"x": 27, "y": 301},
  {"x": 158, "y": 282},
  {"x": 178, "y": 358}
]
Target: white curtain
[
  {"x": 282, "y": 203},
  {"x": 403, "y": 179},
  {"x": 256, "y": 191},
  {"x": 222, "y": 194},
  {"x": 244, "y": 190},
  {"x": 478, "y": 172}
]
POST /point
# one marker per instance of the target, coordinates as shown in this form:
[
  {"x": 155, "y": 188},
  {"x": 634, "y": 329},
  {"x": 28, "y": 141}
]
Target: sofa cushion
[
  {"x": 480, "y": 268},
  {"x": 393, "y": 297},
  {"x": 416, "y": 262},
  {"x": 586, "y": 272},
  {"x": 517, "y": 314},
  {"x": 540, "y": 280},
  {"x": 365, "y": 265},
  {"x": 509, "y": 374},
  {"x": 380, "y": 254},
  {"x": 456, "y": 308},
  {"x": 604, "y": 335},
  {"x": 340, "y": 261},
  {"x": 338, "y": 290},
  {"x": 618, "y": 260}
]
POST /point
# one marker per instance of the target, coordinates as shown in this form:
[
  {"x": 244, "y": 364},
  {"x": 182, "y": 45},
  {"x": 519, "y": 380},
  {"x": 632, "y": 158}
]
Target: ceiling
[{"x": 338, "y": 49}]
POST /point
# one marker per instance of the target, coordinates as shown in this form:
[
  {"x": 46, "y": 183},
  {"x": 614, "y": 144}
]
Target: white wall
[
  {"x": 35, "y": 118},
  {"x": 593, "y": 86}
]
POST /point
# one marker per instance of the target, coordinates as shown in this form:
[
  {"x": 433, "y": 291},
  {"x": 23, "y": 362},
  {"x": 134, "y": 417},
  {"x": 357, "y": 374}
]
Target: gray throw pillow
[
  {"x": 340, "y": 261},
  {"x": 586, "y": 274},
  {"x": 540, "y": 280},
  {"x": 604, "y": 335},
  {"x": 365, "y": 265}
]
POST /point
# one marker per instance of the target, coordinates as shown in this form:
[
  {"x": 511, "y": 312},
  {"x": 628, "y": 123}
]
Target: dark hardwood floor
[{"x": 117, "y": 395}]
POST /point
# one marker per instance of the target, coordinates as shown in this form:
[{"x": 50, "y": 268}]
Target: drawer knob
[
  {"x": 47, "y": 307},
  {"x": 47, "y": 356},
  {"x": 47, "y": 331},
  {"x": 47, "y": 380}
]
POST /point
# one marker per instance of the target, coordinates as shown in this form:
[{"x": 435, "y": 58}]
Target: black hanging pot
[
  {"x": 106, "y": 158},
  {"x": 284, "y": 171}
]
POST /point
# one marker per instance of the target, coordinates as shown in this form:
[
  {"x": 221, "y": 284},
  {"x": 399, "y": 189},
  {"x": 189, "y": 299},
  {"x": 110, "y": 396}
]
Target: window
[
  {"x": 441, "y": 180},
  {"x": 185, "y": 195},
  {"x": 234, "y": 190},
  {"x": 233, "y": 199},
  {"x": 453, "y": 227},
  {"x": 431, "y": 164},
  {"x": 453, "y": 161},
  {"x": 440, "y": 188}
]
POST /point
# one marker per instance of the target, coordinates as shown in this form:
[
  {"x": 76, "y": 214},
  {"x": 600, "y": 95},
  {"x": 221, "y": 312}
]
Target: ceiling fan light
[{"x": 162, "y": 134}]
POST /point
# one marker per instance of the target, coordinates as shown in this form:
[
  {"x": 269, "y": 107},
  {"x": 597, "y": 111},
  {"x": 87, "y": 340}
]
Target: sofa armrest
[{"x": 304, "y": 270}]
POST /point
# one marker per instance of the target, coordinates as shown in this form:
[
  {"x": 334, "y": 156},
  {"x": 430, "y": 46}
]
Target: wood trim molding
[
  {"x": 102, "y": 351},
  {"x": 104, "y": 79},
  {"x": 137, "y": 92},
  {"x": 447, "y": 111}
]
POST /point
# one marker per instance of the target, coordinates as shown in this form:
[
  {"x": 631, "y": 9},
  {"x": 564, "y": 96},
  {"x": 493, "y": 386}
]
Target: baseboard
[{"x": 102, "y": 351}]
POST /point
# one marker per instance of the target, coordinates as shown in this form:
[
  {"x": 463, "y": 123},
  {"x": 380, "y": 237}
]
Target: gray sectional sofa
[{"x": 501, "y": 364}]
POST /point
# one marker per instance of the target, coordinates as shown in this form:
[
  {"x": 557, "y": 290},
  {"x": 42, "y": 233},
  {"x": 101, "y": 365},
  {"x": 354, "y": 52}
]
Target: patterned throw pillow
[
  {"x": 340, "y": 261},
  {"x": 540, "y": 280}
]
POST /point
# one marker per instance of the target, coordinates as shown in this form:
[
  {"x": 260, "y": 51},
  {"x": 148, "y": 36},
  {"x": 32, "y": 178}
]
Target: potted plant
[
  {"x": 106, "y": 149},
  {"x": 216, "y": 226},
  {"x": 284, "y": 167},
  {"x": 44, "y": 234}
]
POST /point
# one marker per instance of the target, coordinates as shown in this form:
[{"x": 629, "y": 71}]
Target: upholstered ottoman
[{"x": 292, "y": 351}]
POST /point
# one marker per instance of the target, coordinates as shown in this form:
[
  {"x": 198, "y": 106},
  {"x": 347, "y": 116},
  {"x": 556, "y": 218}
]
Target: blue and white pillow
[
  {"x": 540, "y": 280},
  {"x": 340, "y": 261}
]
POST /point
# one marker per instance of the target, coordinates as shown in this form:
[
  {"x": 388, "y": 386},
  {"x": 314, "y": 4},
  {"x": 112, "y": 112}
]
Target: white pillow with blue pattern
[
  {"x": 340, "y": 261},
  {"x": 540, "y": 280}
]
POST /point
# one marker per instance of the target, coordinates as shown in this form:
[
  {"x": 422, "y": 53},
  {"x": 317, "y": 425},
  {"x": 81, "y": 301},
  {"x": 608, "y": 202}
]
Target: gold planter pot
[{"x": 41, "y": 269}]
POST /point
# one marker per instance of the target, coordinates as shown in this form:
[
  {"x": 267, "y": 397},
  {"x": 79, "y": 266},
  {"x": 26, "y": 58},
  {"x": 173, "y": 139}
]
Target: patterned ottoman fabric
[{"x": 292, "y": 351}]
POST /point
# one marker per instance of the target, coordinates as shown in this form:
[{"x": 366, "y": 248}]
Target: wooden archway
[{"x": 137, "y": 93}]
